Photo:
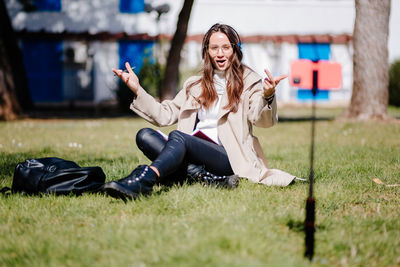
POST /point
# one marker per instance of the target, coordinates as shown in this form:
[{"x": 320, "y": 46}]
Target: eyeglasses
[{"x": 215, "y": 48}]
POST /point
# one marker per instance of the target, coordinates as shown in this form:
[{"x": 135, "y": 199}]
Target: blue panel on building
[
  {"x": 134, "y": 52},
  {"x": 44, "y": 69},
  {"x": 131, "y": 6},
  {"x": 48, "y": 5},
  {"x": 313, "y": 52},
  {"x": 306, "y": 95}
]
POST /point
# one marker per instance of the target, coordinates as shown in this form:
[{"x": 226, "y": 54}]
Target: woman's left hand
[{"x": 270, "y": 83}]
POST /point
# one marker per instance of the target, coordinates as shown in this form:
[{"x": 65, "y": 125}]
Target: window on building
[
  {"x": 131, "y": 6},
  {"x": 47, "y": 5}
]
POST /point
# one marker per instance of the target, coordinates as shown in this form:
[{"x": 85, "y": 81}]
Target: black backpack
[{"x": 55, "y": 175}]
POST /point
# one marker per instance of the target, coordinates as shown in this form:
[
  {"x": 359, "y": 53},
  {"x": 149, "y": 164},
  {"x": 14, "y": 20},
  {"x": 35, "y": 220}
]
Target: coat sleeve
[
  {"x": 160, "y": 114},
  {"x": 260, "y": 112}
]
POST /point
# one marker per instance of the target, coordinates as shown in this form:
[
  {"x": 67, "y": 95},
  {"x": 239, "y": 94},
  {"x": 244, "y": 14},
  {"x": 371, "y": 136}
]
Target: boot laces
[
  {"x": 136, "y": 175},
  {"x": 209, "y": 177}
]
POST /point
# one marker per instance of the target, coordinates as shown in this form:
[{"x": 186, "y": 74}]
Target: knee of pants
[
  {"x": 176, "y": 135},
  {"x": 143, "y": 136}
]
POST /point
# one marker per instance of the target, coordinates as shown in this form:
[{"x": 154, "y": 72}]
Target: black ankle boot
[
  {"x": 140, "y": 181},
  {"x": 198, "y": 173}
]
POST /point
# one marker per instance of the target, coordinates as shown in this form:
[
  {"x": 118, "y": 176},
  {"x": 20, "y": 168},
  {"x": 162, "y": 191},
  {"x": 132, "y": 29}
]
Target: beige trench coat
[{"x": 235, "y": 130}]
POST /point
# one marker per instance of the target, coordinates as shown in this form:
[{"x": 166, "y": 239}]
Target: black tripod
[{"x": 309, "y": 223}]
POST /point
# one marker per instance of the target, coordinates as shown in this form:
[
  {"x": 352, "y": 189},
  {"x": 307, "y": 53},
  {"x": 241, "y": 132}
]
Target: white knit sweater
[{"x": 208, "y": 118}]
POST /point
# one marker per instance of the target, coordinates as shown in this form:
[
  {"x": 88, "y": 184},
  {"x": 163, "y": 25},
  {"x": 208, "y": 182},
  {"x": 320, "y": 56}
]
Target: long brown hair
[{"x": 234, "y": 73}]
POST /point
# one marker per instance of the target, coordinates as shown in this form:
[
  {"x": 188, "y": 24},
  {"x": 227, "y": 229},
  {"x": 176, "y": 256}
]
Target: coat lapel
[
  {"x": 193, "y": 102},
  {"x": 250, "y": 78}
]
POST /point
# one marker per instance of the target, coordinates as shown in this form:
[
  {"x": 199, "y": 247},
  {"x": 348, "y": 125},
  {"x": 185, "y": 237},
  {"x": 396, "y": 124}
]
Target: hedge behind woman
[{"x": 224, "y": 102}]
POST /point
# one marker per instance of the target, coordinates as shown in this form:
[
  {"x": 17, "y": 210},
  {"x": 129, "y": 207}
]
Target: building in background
[{"x": 70, "y": 46}]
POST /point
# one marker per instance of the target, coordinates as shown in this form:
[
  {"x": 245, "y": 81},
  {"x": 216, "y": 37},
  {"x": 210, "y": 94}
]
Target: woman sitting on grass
[{"x": 224, "y": 102}]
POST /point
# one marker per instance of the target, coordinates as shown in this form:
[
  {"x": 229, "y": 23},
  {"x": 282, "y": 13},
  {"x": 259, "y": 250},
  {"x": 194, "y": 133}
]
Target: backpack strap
[{"x": 4, "y": 190}]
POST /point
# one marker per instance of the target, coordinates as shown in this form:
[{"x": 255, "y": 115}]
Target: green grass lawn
[{"x": 358, "y": 221}]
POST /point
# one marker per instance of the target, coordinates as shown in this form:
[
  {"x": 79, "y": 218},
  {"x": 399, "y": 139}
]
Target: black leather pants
[{"x": 172, "y": 157}]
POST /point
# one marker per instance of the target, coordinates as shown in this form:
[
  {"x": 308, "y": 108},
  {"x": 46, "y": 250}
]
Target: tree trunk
[
  {"x": 14, "y": 91},
  {"x": 171, "y": 76},
  {"x": 9, "y": 106},
  {"x": 369, "y": 99}
]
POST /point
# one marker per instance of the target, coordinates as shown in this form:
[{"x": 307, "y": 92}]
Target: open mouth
[{"x": 221, "y": 62}]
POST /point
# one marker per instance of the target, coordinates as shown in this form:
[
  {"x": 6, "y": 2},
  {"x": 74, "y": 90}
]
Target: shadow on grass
[
  {"x": 299, "y": 119},
  {"x": 78, "y": 113},
  {"x": 298, "y": 226},
  {"x": 8, "y": 162},
  {"x": 93, "y": 113}
]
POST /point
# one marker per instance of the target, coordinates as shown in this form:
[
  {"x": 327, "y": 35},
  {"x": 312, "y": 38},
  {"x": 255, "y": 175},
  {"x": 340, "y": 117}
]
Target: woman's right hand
[{"x": 129, "y": 78}]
